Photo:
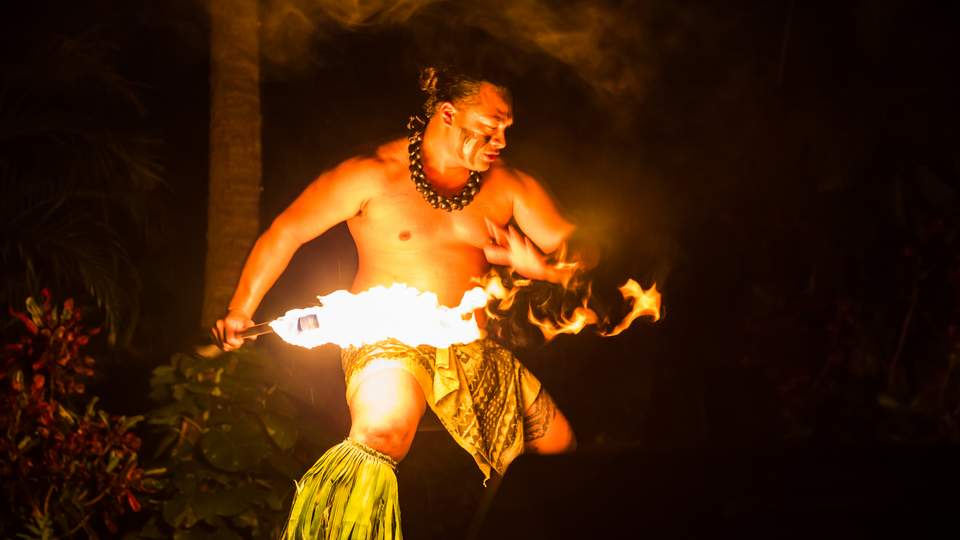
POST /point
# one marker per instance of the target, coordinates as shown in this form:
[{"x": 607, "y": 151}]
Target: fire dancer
[{"x": 431, "y": 211}]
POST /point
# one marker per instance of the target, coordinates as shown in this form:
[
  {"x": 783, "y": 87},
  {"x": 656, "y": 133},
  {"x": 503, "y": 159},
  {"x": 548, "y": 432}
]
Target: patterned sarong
[{"x": 479, "y": 391}]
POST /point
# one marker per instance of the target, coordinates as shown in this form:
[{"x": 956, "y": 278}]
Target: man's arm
[
  {"x": 538, "y": 216},
  {"x": 544, "y": 229},
  {"x": 335, "y": 196}
]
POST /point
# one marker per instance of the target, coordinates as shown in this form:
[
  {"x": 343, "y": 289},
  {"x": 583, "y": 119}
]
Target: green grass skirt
[{"x": 349, "y": 493}]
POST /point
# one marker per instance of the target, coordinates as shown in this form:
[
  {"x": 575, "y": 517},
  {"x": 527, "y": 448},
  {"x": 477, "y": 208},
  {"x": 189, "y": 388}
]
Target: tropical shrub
[
  {"x": 232, "y": 444},
  {"x": 66, "y": 465}
]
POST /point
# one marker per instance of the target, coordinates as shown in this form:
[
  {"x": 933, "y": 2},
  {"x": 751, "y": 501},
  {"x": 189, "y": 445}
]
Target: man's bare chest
[{"x": 398, "y": 218}]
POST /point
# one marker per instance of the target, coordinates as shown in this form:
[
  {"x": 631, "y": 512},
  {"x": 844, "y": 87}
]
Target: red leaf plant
[{"x": 66, "y": 466}]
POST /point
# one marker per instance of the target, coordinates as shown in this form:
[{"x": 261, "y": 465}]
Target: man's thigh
[
  {"x": 385, "y": 408},
  {"x": 545, "y": 429}
]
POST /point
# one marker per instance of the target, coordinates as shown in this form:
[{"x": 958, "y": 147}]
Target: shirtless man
[{"x": 401, "y": 237}]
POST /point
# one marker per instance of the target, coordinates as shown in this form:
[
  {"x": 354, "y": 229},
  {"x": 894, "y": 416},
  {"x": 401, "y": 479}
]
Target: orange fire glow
[
  {"x": 644, "y": 302},
  {"x": 400, "y": 312},
  {"x": 416, "y": 318}
]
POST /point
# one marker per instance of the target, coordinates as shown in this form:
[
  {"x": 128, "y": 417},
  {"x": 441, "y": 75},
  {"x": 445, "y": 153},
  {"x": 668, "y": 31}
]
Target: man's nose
[{"x": 499, "y": 141}]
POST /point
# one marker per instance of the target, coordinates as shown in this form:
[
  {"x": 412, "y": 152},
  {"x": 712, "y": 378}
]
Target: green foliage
[
  {"x": 66, "y": 465},
  {"x": 230, "y": 438},
  {"x": 75, "y": 180}
]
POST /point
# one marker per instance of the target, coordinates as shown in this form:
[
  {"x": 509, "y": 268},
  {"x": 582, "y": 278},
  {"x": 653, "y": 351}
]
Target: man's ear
[{"x": 446, "y": 111}]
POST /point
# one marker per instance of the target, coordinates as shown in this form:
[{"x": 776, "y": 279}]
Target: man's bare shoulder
[
  {"x": 374, "y": 162},
  {"x": 509, "y": 178},
  {"x": 392, "y": 153},
  {"x": 369, "y": 170}
]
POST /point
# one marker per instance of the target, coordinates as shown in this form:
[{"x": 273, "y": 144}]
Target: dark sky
[{"x": 745, "y": 154}]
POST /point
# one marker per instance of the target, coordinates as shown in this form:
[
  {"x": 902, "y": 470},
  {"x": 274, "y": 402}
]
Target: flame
[
  {"x": 416, "y": 318},
  {"x": 577, "y": 321},
  {"x": 494, "y": 288},
  {"x": 399, "y": 312},
  {"x": 644, "y": 302}
]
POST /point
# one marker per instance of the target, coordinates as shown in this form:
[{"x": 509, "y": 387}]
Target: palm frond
[{"x": 75, "y": 179}]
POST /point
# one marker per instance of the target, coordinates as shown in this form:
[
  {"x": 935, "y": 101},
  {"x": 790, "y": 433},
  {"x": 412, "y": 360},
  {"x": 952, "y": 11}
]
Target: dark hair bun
[{"x": 428, "y": 80}]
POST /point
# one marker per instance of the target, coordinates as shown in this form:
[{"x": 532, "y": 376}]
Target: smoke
[
  {"x": 598, "y": 43},
  {"x": 607, "y": 47}
]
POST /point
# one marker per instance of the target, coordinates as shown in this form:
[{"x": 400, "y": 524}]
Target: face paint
[{"x": 471, "y": 142}]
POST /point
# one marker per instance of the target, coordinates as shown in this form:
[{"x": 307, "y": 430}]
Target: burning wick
[{"x": 307, "y": 322}]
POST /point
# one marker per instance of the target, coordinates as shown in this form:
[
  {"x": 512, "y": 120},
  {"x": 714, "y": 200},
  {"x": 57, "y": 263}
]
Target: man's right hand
[{"x": 228, "y": 328}]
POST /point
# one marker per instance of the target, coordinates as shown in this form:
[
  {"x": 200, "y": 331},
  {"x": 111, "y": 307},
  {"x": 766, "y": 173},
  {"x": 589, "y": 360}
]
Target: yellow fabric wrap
[{"x": 479, "y": 391}]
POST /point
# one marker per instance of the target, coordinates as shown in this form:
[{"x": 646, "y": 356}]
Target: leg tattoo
[{"x": 537, "y": 420}]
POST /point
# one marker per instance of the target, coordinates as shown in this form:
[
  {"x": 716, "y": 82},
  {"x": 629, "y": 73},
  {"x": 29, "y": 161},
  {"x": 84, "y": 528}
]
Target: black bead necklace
[{"x": 416, "y": 126}]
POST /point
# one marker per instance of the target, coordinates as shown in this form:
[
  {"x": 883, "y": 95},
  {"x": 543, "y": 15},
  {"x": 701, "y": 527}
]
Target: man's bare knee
[
  {"x": 385, "y": 410},
  {"x": 392, "y": 440},
  {"x": 560, "y": 440},
  {"x": 545, "y": 429}
]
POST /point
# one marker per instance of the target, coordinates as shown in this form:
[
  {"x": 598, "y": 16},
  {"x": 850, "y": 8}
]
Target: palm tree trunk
[{"x": 233, "y": 216}]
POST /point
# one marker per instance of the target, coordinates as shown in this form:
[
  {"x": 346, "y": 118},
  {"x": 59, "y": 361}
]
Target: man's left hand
[{"x": 508, "y": 247}]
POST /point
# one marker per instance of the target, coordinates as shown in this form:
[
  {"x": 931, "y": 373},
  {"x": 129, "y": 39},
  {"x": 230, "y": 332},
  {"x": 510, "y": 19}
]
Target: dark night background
[{"x": 787, "y": 172}]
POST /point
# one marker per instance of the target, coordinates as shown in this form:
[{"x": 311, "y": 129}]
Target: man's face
[{"x": 479, "y": 128}]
